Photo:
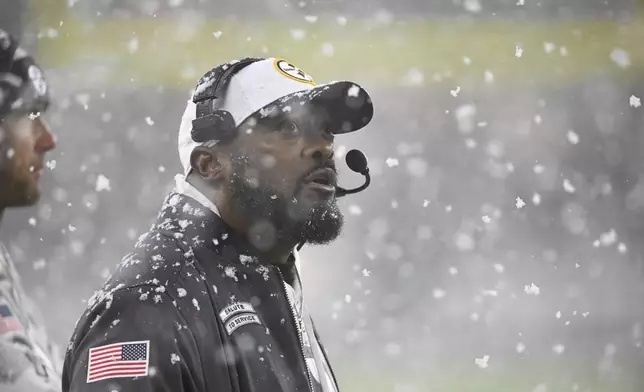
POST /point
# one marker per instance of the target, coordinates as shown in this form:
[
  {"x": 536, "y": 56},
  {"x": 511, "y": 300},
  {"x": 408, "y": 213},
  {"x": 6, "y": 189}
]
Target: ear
[{"x": 208, "y": 163}]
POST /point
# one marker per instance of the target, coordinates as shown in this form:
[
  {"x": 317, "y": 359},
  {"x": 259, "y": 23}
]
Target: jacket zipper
[
  {"x": 299, "y": 331},
  {"x": 335, "y": 380}
]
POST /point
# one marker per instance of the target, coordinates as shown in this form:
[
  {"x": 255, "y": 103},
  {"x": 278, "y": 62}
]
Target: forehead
[
  {"x": 17, "y": 122},
  {"x": 306, "y": 117}
]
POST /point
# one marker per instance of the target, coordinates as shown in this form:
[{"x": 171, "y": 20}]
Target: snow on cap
[
  {"x": 23, "y": 87},
  {"x": 274, "y": 84}
]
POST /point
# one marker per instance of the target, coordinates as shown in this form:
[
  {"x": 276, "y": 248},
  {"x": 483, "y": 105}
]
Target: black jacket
[{"x": 191, "y": 309}]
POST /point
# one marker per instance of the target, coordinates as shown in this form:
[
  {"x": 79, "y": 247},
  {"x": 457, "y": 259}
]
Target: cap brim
[{"x": 347, "y": 105}]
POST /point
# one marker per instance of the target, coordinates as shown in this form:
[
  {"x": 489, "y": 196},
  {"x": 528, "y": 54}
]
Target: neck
[
  {"x": 269, "y": 244},
  {"x": 260, "y": 235}
]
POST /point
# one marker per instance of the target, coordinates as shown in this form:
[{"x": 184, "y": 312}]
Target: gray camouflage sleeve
[{"x": 25, "y": 357}]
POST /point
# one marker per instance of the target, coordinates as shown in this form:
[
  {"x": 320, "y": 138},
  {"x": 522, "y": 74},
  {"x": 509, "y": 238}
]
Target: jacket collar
[{"x": 191, "y": 217}]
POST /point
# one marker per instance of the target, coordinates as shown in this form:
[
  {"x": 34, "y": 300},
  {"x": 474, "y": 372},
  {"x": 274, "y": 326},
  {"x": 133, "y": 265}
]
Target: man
[
  {"x": 210, "y": 299},
  {"x": 28, "y": 362}
]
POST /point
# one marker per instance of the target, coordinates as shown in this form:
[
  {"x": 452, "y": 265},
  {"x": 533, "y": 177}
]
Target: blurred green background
[{"x": 478, "y": 103}]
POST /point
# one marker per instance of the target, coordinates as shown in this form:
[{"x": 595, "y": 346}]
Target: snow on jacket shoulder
[{"x": 190, "y": 310}]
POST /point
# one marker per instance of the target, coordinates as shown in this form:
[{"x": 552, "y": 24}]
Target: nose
[
  {"x": 320, "y": 150},
  {"x": 46, "y": 139}
]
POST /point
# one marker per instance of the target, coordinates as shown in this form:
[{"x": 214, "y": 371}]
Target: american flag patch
[
  {"x": 8, "y": 321},
  {"x": 126, "y": 359}
]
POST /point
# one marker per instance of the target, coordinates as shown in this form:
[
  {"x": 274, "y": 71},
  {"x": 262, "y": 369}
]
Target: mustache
[{"x": 327, "y": 164}]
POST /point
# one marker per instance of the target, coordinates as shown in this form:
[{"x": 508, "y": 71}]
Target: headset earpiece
[{"x": 211, "y": 123}]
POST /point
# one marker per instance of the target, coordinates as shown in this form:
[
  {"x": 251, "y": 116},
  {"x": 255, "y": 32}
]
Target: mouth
[
  {"x": 36, "y": 171},
  {"x": 324, "y": 180}
]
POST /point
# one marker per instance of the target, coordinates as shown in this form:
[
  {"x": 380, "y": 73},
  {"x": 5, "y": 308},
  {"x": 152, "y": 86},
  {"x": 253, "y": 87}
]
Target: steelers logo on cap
[{"x": 292, "y": 72}]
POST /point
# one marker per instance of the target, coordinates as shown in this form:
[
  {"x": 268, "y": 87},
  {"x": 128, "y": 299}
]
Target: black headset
[{"x": 211, "y": 122}]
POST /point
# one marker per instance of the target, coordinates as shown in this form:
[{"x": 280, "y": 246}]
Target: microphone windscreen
[{"x": 356, "y": 161}]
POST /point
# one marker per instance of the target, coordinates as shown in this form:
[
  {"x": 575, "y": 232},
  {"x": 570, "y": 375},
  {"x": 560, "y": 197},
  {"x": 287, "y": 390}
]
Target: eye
[
  {"x": 289, "y": 127},
  {"x": 327, "y": 133}
]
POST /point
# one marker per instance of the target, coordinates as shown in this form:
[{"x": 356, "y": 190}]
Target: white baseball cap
[{"x": 274, "y": 84}]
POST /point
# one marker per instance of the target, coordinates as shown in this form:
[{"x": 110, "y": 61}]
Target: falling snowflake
[
  {"x": 102, "y": 183},
  {"x": 568, "y": 187},
  {"x": 519, "y": 203},
  {"x": 608, "y": 238},
  {"x": 327, "y": 49},
  {"x": 438, "y": 293},
  {"x": 533, "y": 289},
  {"x": 391, "y": 162},
  {"x": 488, "y": 76},
  {"x": 414, "y": 77},
  {"x": 298, "y": 34},
  {"x": 174, "y": 358},
  {"x": 464, "y": 241},
  {"x": 620, "y": 57},
  {"x": 482, "y": 362},
  {"x": 572, "y": 137},
  {"x": 621, "y": 247},
  {"x": 39, "y": 264},
  {"x": 217, "y": 34},
  {"x": 635, "y": 101},
  {"x": 518, "y": 51},
  {"x": 133, "y": 45},
  {"x": 472, "y": 5}
]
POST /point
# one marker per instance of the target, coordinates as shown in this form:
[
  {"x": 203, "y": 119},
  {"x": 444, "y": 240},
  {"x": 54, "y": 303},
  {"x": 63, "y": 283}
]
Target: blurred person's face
[
  {"x": 280, "y": 173},
  {"x": 24, "y": 140}
]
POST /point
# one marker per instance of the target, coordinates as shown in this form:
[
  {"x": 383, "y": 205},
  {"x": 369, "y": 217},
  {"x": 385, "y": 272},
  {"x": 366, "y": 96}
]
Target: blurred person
[
  {"x": 210, "y": 299},
  {"x": 28, "y": 362}
]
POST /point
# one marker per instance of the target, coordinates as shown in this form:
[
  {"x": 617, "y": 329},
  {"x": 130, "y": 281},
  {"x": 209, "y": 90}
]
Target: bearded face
[
  {"x": 24, "y": 140},
  {"x": 281, "y": 204}
]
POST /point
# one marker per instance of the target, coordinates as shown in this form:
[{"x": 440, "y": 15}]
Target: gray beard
[{"x": 277, "y": 219}]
